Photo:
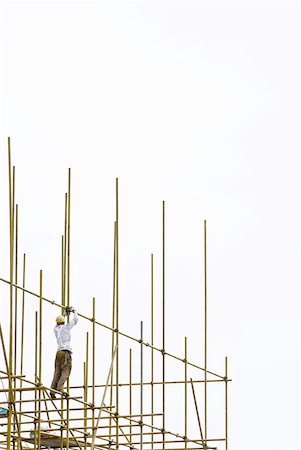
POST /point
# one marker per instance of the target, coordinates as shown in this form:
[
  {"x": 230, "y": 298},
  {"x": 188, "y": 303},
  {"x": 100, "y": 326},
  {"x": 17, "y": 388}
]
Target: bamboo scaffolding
[{"x": 78, "y": 421}]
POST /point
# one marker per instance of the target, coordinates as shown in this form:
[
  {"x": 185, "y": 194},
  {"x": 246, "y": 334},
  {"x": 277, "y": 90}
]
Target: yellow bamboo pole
[
  {"x": 68, "y": 237},
  {"x": 185, "y": 391},
  {"x": 22, "y": 318},
  {"x": 152, "y": 343},
  {"x": 16, "y": 290},
  {"x": 22, "y": 333},
  {"x": 93, "y": 361},
  {"x": 117, "y": 314},
  {"x": 197, "y": 412},
  {"x": 130, "y": 393},
  {"x": 11, "y": 228},
  {"x": 226, "y": 402},
  {"x": 40, "y": 356},
  {"x": 10, "y": 388},
  {"x": 102, "y": 403},
  {"x": 16, "y": 306},
  {"x": 85, "y": 398},
  {"x": 113, "y": 322},
  {"x": 62, "y": 274},
  {"x": 86, "y": 380},
  {"x": 163, "y": 325},
  {"x": 67, "y": 421},
  {"x": 62, "y": 422},
  {"x": 36, "y": 379},
  {"x": 205, "y": 327},
  {"x": 68, "y": 243},
  {"x": 13, "y": 247},
  {"x": 141, "y": 386},
  {"x": 65, "y": 248}
]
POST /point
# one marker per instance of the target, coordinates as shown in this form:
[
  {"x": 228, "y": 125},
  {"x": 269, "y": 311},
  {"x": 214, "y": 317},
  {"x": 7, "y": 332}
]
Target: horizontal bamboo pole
[{"x": 148, "y": 383}]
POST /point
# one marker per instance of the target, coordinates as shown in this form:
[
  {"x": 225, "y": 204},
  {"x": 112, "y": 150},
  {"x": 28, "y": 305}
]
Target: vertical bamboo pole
[
  {"x": 16, "y": 307},
  {"x": 130, "y": 394},
  {"x": 68, "y": 211},
  {"x": 65, "y": 247},
  {"x": 62, "y": 423},
  {"x": 62, "y": 273},
  {"x": 10, "y": 387},
  {"x": 13, "y": 246},
  {"x": 36, "y": 379},
  {"x": 93, "y": 361},
  {"x": 226, "y": 401},
  {"x": 102, "y": 402},
  {"x": 67, "y": 420},
  {"x": 87, "y": 381},
  {"x": 22, "y": 332},
  {"x": 141, "y": 385},
  {"x": 40, "y": 356},
  {"x": 163, "y": 325},
  {"x": 85, "y": 399},
  {"x": 205, "y": 327},
  {"x": 117, "y": 315},
  {"x": 152, "y": 344},
  {"x": 40, "y": 326},
  {"x": 63, "y": 281},
  {"x": 11, "y": 229},
  {"x": 64, "y": 256},
  {"x": 16, "y": 294},
  {"x": 113, "y": 326},
  {"x": 185, "y": 391},
  {"x": 68, "y": 237},
  {"x": 87, "y": 363},
  {"x": 23, "y": 316}
]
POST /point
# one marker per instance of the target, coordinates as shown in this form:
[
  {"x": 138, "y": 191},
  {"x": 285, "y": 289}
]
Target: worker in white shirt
[{"x": 63, "y": 359}]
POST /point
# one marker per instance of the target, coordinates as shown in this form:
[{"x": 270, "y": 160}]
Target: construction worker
[{"x": 63, "y": 359}]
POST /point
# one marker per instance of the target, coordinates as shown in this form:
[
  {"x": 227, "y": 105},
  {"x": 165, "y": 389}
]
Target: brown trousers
[{"x": 63, "y": 365}]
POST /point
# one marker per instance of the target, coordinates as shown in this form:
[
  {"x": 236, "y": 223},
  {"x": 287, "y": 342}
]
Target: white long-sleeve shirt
[{"x": 63, "y": 335}]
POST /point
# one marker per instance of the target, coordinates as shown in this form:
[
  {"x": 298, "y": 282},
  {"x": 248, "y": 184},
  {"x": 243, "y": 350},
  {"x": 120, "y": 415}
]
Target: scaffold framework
[{"x": 93, "y": 415}]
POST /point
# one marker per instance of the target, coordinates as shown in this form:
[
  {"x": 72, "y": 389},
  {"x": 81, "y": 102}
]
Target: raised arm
[{"x": 74, "y": 320}]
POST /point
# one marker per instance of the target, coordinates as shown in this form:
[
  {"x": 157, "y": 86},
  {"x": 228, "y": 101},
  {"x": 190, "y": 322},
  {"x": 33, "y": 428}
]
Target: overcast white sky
[{"x": 194, "y": 103}]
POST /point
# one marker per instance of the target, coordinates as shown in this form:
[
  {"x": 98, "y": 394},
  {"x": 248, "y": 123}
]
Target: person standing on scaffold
[{"x": 63, "y": 358}]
